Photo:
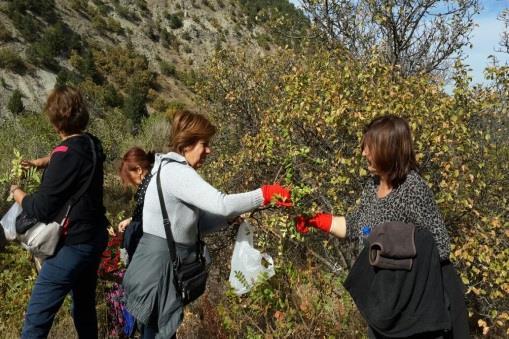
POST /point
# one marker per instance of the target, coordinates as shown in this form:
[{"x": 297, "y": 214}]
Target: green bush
[
  {"x": 298, "y": 119},
  {"x": 168, "y": 39},
  {"x": 11, "y": 60},
  {"x": 15, "y": 104},
  {"x": 56, "y": 41},
  {"x": 167, "y": 68},
  {"x": 135, "y": 106},
  {"x": 43, "y": 8},
  {"x": 174, "y": 21},
  {"x": 5, "y": 34}
]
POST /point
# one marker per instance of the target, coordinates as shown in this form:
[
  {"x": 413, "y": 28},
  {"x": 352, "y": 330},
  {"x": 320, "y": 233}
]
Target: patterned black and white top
[
  {"x": 140, "y": 198},
  {"x": 410, "y": 202}
]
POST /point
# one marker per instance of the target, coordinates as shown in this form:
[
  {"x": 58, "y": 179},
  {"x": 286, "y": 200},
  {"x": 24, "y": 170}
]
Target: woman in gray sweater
[{"x": 194, "y": 207}]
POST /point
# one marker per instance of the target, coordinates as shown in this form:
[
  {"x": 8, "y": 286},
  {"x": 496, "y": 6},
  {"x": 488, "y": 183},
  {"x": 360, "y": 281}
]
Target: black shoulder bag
[{"x": 190, "y": 278}]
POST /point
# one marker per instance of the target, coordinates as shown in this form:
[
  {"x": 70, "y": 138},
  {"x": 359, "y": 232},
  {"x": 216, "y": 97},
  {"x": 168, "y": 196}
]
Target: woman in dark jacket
[
  {"x": 73, "y": 268},
  {"x": 395, "y": 192}
]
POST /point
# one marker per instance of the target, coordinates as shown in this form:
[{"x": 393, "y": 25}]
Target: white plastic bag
[
  {"x": 9, "y": 221},
  {"x": 246, "y": 265}
]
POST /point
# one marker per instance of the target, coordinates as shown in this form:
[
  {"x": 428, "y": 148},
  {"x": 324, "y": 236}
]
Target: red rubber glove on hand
[
  {"x": 279, "y": 192},
  {"x": 322, "y": 221},
  {"x": 300, "y": 225}
]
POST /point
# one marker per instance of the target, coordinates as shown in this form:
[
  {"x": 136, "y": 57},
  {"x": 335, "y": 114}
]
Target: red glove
[
  {"x": 279, "y": 192},
  {"x": 300, "y": 225},
  {"x": 321, "y": 221}
]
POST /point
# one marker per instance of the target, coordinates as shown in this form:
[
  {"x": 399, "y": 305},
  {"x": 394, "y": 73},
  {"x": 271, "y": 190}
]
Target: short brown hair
[
  {"x": 133, "y": 158},
  {"x": 66, "y": 110},
  {"x": 389, "y": 140},
  {"x": 188, "y": 128}
]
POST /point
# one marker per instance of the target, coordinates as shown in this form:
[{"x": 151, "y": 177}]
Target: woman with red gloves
[
  {"x": 193, "y": 207},
  {"x": 396, "y": 193}
]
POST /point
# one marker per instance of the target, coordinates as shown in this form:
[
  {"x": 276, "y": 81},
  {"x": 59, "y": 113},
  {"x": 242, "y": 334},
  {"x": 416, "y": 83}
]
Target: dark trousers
[{"x": 73, "y": 269}]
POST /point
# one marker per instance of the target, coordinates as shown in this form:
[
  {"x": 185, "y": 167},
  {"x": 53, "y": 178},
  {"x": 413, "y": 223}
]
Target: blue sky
[{"x": 485, "y": 38}]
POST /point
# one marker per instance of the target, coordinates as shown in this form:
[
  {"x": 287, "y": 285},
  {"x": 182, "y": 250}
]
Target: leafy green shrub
[
  {"x": 99, "y": 23},
  {"x": 11, "y": 60},
  {"x": 189, "y": 78},
  {"x": 114, "y": 26},
  {"x": 298, "y": 118},
  {"x": 172, "y": 107},
  {"x": 135, "y": 106},
  {"x": 167, "y": 68},
  {"x": 85, "y": 65},
  {"x": 44, "y": 8},
  {"x": 168, "y": 39},
  {"x": 125, "y": 13},
  {"x": 123, "y": 67},
  {"x": 66, "y": 77},
  {"x": 56, "y": 41},
  {"x": 5, "y": 34},
  {"x": 174, "y": 21},
  {"x": 15, "y": 104}
]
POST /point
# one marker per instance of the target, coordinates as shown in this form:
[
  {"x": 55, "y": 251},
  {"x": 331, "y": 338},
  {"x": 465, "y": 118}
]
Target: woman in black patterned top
[
  {"x": 135, "y": 171},
  {"x": 396, "y": 192}
]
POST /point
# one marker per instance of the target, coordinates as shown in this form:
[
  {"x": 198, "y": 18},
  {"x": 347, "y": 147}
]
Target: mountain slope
[{"x": 43, "y": 42}]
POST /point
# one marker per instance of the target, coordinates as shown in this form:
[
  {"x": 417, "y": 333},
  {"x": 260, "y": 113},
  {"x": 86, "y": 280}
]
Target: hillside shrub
[
  {"x": 168, "y": 39},
  {"x": 174, "y": 21},
  {"x": 135, "y": 106},
  {"x": 43, "y": 8},
  {"x": 56, "y": 41},
  {"x": 5, "y": 34},
  {"x": 11, "y": 60},
  {"x": 123, "y": 67},
  {"x": 167, "y": 68},
  {"x": 298, "y": 119},
  {"x": 15, "y": 104}
]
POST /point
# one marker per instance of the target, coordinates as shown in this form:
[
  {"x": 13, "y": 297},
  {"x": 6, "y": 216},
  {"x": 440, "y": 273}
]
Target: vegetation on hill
[{"x": 291, "y": 114}]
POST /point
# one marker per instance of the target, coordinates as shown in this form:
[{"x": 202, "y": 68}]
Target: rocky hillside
[{"x": 48, "y": 41}]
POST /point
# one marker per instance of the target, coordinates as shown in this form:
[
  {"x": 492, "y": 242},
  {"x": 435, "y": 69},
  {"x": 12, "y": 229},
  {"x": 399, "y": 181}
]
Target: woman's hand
[
  {"x": 37, "y": 163},
  {"x": 322, "y": 221},
  {"x": 326, "y": 222},
  {"x": 279, "y": 193},
  {"x": 123, "y": 224},
  {"x": 17, "y": 193}
]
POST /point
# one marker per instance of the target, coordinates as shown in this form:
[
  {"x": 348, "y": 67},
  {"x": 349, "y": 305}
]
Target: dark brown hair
[
  {"x": 66, "y": 110},
  {"x": 133, "y": 158},
  {"x": 188, "y": 128},
  {"x": 389, "y": 140}
]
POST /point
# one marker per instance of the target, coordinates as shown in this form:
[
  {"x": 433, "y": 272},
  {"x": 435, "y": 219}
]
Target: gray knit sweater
[
  {"x": 411, "y": 202},
  {"x": 190, "y": 201}
]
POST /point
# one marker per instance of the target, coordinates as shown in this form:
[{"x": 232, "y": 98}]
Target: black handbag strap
[
  {"x": 166, "y": 220},
  {"x": 76, "y": 196}
]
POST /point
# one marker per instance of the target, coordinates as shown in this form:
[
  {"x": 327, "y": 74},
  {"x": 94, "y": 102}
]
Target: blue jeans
[{"x": 73, "y": 269}]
